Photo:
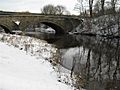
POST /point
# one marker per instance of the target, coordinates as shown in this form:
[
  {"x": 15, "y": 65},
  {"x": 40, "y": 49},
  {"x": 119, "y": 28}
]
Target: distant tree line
[
  {"x": 97, "y": 7},
  {"x": 54, "y": 10}
]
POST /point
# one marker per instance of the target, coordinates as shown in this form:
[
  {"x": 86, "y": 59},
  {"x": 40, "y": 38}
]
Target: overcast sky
[{"x": 35, "y": 5}]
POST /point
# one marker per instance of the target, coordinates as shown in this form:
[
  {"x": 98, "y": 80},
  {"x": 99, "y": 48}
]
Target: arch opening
[
  {"x": 5, "y": 29},
  {"x": 9, "y": 27},
  {"x": 57, "y": 28},
  {"x": 45, "y": 27}
]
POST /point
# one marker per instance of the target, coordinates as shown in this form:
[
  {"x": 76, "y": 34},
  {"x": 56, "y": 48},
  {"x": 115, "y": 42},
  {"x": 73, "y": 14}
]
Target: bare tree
[
  {"x": 54, "y": 10},
  {"x": 97, "y": 7},
  {"x": 113, "y": 5},
  {"x": 48, "y": 9},
  {"x": 60, "y": 9},
  {"x": 79, "y": 6},
  {"x": 91, "y": 7}
]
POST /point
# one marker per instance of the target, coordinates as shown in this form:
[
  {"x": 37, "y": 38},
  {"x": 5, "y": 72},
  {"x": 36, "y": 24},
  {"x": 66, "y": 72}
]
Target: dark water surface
[{"x": 95, "y": 59}]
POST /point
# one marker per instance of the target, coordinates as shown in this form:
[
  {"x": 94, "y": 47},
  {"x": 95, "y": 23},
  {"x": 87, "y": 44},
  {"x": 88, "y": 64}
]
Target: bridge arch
[
  {"x": 58, "y": 29},
  {"x": 61, "y": 24},
  {"x": 6, "y": 29},
  {"x": 9, "y": 26}
]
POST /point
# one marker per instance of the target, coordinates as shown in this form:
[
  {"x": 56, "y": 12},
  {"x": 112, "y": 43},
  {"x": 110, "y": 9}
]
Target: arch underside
[
  {"x": 56, "y": 27},
  {"x": 5, "y": 29},
  {"x": 8, "y": 29}
]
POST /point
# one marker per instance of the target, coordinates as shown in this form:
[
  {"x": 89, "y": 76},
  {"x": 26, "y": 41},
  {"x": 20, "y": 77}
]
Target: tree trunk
[
  {"x": 102, "y": 6},
  {"x": 113, "y": 3},
  {"x": 90, "y": 8}
]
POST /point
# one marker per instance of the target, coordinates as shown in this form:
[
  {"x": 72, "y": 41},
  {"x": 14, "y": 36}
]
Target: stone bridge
[{"x": 61, "y": 24}]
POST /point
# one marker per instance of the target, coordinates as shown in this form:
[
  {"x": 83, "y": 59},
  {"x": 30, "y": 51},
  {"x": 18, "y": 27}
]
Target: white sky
[{"x": 35, "y": 5}]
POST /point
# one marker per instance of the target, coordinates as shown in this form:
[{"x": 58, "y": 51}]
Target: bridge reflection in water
[{"x": 94, "y": 60}]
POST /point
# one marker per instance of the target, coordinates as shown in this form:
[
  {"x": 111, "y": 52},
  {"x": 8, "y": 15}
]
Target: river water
[{"x": 95, "y": 59}]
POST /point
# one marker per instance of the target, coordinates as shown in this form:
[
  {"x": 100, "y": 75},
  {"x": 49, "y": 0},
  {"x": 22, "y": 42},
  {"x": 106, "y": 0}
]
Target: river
[{"x": 95, "y": 59}]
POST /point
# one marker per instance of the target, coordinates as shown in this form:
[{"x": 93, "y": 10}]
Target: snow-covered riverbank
[
  {"x": 27, "y": 70},
  {"x": 106, "y": 25}
]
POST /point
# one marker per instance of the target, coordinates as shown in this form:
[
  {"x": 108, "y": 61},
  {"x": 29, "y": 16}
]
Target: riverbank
[
  {"x": 104, "y": 26},
  {"x": 24, "y": 64}
]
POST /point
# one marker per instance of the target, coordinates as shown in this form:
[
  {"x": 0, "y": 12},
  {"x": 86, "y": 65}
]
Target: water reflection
[
  {"x": 96, "y": 60},
  {"x": 93, "y": 61}
]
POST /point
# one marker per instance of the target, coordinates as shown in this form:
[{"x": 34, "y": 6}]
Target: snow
[
  {"x": 17, "y": 22},
  {"x": 21, "y": 70},
  {"x": 107, "y": 25}
]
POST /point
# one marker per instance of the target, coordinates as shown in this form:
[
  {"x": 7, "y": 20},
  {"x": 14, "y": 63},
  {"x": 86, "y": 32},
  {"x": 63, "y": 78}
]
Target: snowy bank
[
  {"x": 31, "y": 45},
  {"x": 21, "y": 71},
  {"x": 106, "y": 25}
]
